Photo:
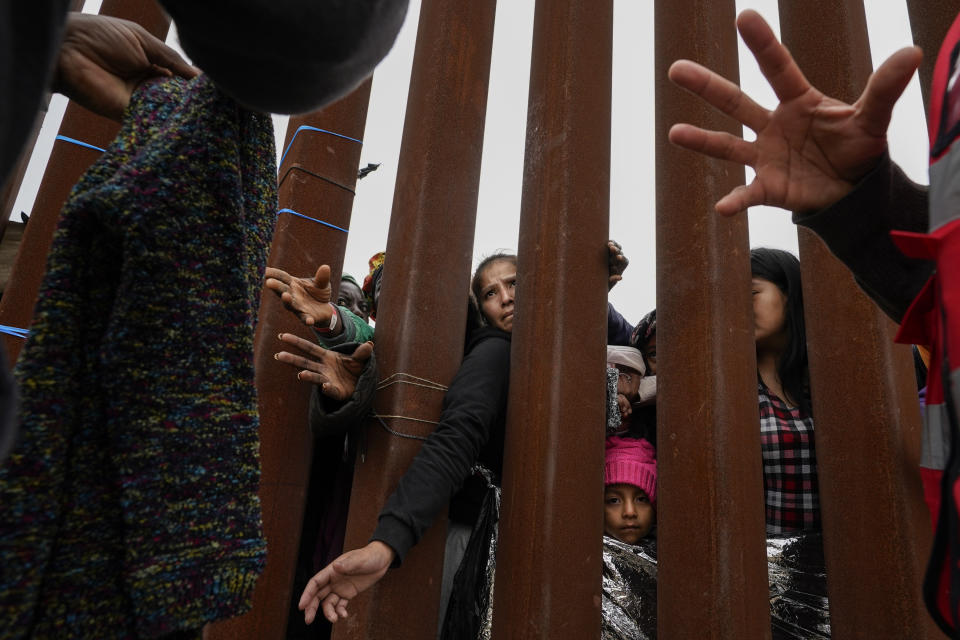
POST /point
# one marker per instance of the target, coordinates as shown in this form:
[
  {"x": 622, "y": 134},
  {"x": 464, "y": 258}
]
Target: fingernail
[
  {"x": 276, "y": 356},
  {"x": 280, "y": 336}
]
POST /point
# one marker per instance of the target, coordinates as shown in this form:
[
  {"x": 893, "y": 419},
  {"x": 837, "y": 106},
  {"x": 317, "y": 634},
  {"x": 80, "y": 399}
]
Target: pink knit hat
[{"x": 632, "y": 461}]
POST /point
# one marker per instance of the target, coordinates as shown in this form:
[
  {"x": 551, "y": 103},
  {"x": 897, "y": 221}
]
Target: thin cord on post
[
  {"x": 315, "y": 129},
  {"x": 79, "y": 143},
  {"x": 14, "y": 331},
  {"x": 326, "y": 224},
  {"x": 406, "y": 378}
]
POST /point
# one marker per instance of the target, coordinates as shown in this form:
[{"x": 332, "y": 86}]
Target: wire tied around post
[{"x": 406, "y": 378}]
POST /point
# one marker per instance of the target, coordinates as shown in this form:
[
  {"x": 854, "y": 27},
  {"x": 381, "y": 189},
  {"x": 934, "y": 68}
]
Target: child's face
[
  {"x": 628, "y": 382},
  {"x": 628, "y": 514}
]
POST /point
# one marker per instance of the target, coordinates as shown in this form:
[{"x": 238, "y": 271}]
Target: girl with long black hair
[{"x": 791, "y": 493}]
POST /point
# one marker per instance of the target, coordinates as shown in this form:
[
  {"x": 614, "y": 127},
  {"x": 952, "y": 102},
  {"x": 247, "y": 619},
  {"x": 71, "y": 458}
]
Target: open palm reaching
[{"x": 811, "y": 149}]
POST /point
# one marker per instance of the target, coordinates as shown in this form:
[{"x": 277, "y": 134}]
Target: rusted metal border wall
[
  {"x": 876, "y": 529},
  {"x": 712, "y": 578},
  {"x": 422, "y": 310},
  {"x": 548, "y": 564},
  {"x": 317, "y": 178},
  {"x": 67, "y": 163}
]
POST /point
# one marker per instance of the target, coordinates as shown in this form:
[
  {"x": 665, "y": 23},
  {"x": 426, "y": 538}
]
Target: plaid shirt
[{"x": 789, "y": 466}]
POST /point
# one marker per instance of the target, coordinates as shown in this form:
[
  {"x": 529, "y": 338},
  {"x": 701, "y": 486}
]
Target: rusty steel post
[
  {"x": 67, "y": 163},
  {"x": 929, "y": 22},
  {"x": 712, "y": 580},
  {"x": 875, "y": 527},
  {"x": 549, "y": 555},
  {"x": 317, "y": 179},
  {"x": 422, "y": 310}
]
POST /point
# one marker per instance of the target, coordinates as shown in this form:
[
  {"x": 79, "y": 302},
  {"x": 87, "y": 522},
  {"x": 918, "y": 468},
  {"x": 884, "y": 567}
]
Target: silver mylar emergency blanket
[
  {"x": 629, "y": 589},
  {"x": 795, "y": 568},
  {"x": 798, "y": 587}
]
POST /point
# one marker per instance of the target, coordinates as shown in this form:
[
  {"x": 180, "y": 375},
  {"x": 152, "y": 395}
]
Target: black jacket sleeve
[
  {"x": 329, "y": 417},
  {"x": 857, "y": 230},
  {"x": 287, "y": 56},
  {"x": 476, "y": 398}
]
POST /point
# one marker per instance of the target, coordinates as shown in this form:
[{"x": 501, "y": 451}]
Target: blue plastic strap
[
  {"x": 326, "y": 224},
  {"x": 13, "y": 331},
  {"x": 77, "y": 142},
  {"x": 307, "y": 128}
]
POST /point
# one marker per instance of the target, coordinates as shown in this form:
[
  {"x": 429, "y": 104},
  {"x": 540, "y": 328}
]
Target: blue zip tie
[
  {"x": 326, "y": 224},
  {"x": 306, "y": 128},
  {"x": 13, "y": 331},
  {"x": 77, "y": 142}
]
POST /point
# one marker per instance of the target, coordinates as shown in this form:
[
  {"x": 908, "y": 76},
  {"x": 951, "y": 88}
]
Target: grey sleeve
[
  {"x": 287, "y": 56},
  {"x": 857, "y": 230}
]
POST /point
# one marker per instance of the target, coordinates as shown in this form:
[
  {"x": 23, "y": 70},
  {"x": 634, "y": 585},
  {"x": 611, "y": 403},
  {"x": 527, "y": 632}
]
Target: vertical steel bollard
[
  {"x": 317, "y": 178},
  {"x": 712, "y": 579},
  {"x": 929, "y": 22},
  {"x": 549, "y": 555},
  {"x": 422, "y": 311},
  {"x": 67, "y": 163},
  {"x": 876, "y": 529}
]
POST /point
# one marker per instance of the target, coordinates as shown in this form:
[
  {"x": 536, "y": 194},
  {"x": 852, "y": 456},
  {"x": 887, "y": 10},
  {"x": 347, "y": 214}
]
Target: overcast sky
[{"x": 632, "y": 198}]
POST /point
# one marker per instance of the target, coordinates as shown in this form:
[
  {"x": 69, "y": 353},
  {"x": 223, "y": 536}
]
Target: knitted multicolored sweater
[{"x": 129, "y": 508}]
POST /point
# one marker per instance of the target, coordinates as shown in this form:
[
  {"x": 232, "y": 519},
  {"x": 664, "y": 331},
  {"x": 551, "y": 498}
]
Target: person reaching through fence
[
  {"x": 471, "y": 430},
  {"x": 827, "y": 162}
]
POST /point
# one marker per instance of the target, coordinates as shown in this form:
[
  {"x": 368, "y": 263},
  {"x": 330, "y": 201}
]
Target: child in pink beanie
[{"x": 630, "y": 476}]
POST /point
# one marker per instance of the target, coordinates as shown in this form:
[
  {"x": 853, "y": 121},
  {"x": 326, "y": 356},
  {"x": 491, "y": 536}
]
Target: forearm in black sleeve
[
  {"x": 471, "y": 406},
  {"x": 857, "y": 230}
]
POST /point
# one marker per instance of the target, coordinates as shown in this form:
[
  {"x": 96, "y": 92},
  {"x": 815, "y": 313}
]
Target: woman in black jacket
[{"x": 470, "y": 431}]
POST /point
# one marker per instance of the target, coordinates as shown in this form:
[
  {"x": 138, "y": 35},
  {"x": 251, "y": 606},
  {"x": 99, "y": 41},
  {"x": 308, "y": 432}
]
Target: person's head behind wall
[
  {"x": 493, "y": 288},
  {"x": 778, "y": 316},
  {"x": 351, "y": 296},
  {"x": 631, "y": 369},
  {"x": 630, "y": 491},
  {"x": 371, "y": 284}
]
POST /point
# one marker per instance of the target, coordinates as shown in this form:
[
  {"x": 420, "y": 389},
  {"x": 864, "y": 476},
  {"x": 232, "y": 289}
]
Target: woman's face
[
  {"x": 769, "y": 315},
  {"x": 497, "y": 283},
  {"x": 351, "y": 297}
]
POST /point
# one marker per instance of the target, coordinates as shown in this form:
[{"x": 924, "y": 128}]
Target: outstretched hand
[
  {"x": 336, "y": 373},
  {"x": 309, "y": 298},
  {"x": 812, "y": 148},
  {"x": 103, "y": 59},
  {"x": 616, "y": 263},
  {"x": 344, "y": 579}
]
